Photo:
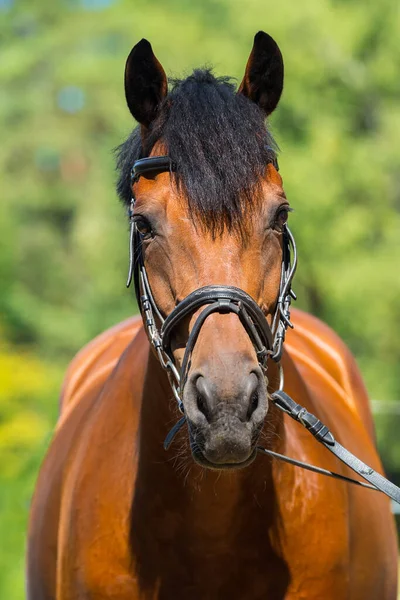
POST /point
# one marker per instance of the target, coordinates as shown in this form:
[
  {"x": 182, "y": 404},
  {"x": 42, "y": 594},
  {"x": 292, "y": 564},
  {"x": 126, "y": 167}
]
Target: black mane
[{"x": 219, "y": 142}]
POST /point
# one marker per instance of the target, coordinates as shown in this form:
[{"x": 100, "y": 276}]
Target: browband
[
  {"x": 161, "y": 164},
  {"x": 156, "y": 164}
]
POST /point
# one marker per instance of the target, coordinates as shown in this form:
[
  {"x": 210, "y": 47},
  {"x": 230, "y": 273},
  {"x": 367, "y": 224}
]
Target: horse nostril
[
  {"x": 253, "y": 404},
  {"x": 202, "y": 406},
  {"x": 202, "y": 397},
  {"x": 240, "y": 399}
]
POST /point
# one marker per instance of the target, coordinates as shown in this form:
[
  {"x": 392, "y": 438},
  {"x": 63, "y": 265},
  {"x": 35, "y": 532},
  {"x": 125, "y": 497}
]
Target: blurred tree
[
  {"x": 63, "y": 235},
  {"x": 63, "y": 248}
]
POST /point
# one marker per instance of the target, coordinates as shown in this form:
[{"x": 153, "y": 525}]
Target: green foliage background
[{"x": 63, "y": 236}]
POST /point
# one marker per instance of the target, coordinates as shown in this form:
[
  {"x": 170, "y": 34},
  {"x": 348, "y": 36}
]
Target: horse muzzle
[{"x": 225, "y": 418}]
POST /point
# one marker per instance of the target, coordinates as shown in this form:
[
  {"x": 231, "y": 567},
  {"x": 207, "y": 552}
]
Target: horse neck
[{"x": 201, "y": 502}]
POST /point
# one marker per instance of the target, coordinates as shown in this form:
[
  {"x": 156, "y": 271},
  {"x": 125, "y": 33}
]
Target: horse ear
[
  {"x": 145, "y": 83},
  {"x": 263, "y": 79}
]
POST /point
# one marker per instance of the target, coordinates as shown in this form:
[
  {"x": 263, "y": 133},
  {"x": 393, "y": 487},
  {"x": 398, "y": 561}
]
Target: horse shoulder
[
  {"x": 98, "y": 381},
  {"x": 44, "y": 520},
  {"x": 95, "y": 361},
  {"x": 334, "y": 387},
  {"x": 94, "y": 523},
  {"x": 314, "y": 343}
]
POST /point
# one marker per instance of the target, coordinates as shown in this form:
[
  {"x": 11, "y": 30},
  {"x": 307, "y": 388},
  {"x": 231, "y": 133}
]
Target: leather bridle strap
[
  {"x": 323, "y": 435},
  {"x": 312, "y": 468},
  {"x": 221, "y": 299},
  {"x": 268, "y": 341},
  {"x": 215, "y": 293},
  {"x": 151, "y": 165}
]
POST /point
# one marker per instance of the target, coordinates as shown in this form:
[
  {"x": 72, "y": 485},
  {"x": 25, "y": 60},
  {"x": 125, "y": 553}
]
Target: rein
[{"x": 267, "y": 341}]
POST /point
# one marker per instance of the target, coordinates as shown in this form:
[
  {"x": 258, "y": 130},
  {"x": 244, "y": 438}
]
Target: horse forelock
[{"x": 219, "y": 142}]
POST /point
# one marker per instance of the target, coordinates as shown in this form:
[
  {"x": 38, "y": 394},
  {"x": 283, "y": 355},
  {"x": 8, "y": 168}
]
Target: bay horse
[{"x": 114, "y": 515}]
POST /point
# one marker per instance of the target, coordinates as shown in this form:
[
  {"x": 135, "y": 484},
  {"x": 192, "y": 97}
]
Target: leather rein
[{"x": 267, "y": 340}]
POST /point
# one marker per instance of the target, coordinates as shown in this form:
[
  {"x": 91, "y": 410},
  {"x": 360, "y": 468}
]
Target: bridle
[{"x": 267, "y": 341}]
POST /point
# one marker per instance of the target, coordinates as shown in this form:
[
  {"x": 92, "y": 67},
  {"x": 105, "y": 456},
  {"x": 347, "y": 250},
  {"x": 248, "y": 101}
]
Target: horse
[{"x": 113, "y": 514}]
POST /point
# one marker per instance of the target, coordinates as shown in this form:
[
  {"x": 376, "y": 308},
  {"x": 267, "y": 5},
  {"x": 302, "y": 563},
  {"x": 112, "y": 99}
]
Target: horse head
[{"x": 215, "y": 216}]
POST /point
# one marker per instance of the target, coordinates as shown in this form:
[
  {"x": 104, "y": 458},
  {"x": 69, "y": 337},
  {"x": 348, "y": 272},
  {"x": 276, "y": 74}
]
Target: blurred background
[{"x": 63, "y": 233}]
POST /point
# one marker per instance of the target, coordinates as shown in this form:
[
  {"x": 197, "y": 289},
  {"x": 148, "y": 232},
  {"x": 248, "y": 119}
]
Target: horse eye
[
  {"x": 282, "y": 217},
  {"x": 144, "y": 227}
]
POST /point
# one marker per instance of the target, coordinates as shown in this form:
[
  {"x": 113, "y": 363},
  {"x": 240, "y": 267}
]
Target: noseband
[{"x": 267, "y": 341}]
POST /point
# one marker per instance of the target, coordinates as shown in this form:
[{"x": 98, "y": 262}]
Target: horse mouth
[
  {"x": 213, "y": 449},
  {"x": 201, "y": 460}
]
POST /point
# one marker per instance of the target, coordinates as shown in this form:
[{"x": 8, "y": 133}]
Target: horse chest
[{"x": 227, "y": 554}]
